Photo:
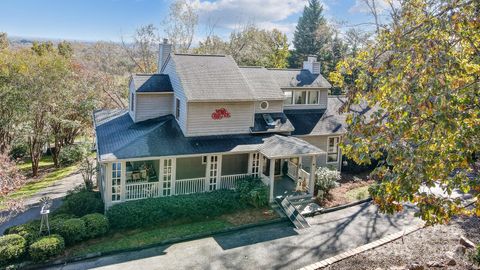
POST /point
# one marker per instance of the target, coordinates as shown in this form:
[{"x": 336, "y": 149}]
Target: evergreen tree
[{"x": 305, "y": 37}]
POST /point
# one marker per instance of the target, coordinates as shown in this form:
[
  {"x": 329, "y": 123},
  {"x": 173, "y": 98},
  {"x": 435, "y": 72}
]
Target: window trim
[
  {"x": 204, "y": 159},
  {"x": 177, "y": 108},
  {"x": 337, "y": 148}
]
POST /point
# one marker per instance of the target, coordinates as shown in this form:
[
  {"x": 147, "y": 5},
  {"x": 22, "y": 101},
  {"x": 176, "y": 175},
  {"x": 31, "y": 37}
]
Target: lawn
[
  {"x": 143, "y": 237},
  {"x": 44, "y": 163},
  {"x": 356, "y": 194}
]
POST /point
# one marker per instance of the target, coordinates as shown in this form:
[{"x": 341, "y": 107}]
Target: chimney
[
  {"x": 312, "y": 65},
  {"x": 164, "y": 50}
]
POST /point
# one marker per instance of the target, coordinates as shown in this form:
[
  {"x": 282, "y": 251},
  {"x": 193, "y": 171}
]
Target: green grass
[
  {"x": 147, "y": 237},
  {"x": 357, "y": 194},
  {"x": 45, "y": 162},
  {"x": 33, "y": 187}
]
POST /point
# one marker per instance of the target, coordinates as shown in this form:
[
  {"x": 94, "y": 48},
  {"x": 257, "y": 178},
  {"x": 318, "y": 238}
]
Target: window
[
  {"x": 116, "y": 181},
  {"x": 312, "y": 97},
  {"x": 300, "y": 97},
  {"x": 288, "y": 95},
  {"x": 177, "y": 108},
  {"x": 204, "y": 159},
  {"x": 264, "y": 105},
  {"x": 332, "y": 149},
  {"x": 132, "y": 102}
]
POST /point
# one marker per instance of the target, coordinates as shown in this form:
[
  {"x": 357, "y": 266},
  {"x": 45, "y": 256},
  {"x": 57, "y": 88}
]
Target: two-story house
[{"x": 203, "y": 122}]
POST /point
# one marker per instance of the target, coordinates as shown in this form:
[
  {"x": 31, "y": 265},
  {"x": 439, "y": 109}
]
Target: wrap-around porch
[{"x": 278, "y": 166}]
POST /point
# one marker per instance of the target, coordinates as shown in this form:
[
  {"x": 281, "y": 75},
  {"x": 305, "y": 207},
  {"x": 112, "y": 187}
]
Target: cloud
[
  {"x": 231, "y": 14},
  {"x": 382, "y": 6}
]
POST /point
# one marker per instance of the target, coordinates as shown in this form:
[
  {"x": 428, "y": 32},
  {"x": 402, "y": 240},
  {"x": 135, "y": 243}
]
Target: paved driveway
[{"x": 277, "y": 246}]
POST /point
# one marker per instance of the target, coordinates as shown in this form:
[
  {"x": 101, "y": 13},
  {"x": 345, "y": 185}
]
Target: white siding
[
  {"x": 150, "y": 106},
  {"x": 273, "y": 106},
  {"x": 200, "y": 120},
  {"x": 323, "y": 99},
  {"x": 321, "y": 142},
  {"x": 178, "y": 93}
]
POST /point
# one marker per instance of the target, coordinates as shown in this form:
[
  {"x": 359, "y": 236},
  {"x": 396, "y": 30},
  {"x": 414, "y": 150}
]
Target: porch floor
[{"x": 285, "y": 186}]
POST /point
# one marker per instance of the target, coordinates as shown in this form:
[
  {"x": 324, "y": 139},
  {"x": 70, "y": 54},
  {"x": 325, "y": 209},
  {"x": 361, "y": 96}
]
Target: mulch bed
[
  {"x": 347, "y": 182},
  {"x": 428, "y": 248}
]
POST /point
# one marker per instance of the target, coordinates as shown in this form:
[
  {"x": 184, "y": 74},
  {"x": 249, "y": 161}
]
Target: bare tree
[
  {"x": 142, "y": 51},
  {"x": 180, "y": 25}
]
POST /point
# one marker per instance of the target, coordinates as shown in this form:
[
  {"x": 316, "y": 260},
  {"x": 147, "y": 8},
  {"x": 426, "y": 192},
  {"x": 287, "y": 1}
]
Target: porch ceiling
[{"x": 278, "y": 146}]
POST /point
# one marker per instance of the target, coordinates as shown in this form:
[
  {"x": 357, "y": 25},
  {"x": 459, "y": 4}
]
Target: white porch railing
[
  {"x": 292, "y": 170},
  {"x": 187, "y": 186},
  {"x": 265, "y": 179},
  {"x": 136, "y": 191},
  {"x": 230, "y": 181},
  {"x": 304, "y": 175}
]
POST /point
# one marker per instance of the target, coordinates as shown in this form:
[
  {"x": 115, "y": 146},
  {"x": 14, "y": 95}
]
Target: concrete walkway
[
  {"x": 56, "y": 192},
  {"x": 277, "y": 246}
]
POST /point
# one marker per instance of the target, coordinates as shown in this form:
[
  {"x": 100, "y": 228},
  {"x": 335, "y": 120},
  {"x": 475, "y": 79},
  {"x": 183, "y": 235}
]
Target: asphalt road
[{"x": 276, "y": 246}]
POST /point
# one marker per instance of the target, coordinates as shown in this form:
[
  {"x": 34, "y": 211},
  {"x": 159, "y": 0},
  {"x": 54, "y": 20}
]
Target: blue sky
[{"x": 92, "y": 20}]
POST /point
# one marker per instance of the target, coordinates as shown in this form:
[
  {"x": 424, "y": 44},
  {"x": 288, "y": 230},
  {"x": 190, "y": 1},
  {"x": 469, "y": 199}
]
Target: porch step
[{"x": 292, "y": 213}]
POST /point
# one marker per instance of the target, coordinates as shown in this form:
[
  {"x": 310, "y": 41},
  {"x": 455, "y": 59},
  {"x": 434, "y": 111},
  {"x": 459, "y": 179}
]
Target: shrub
[
  {"x": 165, "y": 209},
  {"x": 72, "y": 230},
  {"x": 80, "y": 203},
  {"x": 95, "y": 225},
  {"x": 71, "y": 154},
  {"x": 29, "y": 231},
  {"x": 476, "y": 255},
  {"x": 325, "y": 180},
  {"x": 19, "y": 150},
  {"x": 252, "y": 191},
  {"x": 12, "y": 247},
  {"x": 46, "y": 247}
]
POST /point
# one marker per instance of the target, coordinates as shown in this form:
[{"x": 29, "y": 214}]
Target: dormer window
[{"x": 302, "y": 97}]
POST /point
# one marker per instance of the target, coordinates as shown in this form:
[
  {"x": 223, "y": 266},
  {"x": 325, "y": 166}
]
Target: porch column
[
  {"x": 299, "y": 167},
  {"x": 311, "y": 181},
  {"x": 272, "y": 177},
  {"x": 123, "y": 181},
  {"x": 250, "y": 160}
]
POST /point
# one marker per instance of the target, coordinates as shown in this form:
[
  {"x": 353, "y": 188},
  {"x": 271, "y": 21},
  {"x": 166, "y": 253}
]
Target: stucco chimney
[
  {"x": 164, "y": 50},
  {"x": 312, "y": 64}
]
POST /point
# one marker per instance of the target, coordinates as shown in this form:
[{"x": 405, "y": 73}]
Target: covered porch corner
[{"x": 289, "y": 164}]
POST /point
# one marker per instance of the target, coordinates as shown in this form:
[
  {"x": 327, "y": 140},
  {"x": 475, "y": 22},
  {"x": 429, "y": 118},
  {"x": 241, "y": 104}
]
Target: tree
[
  {"x": 356, "y": 39},
  {"x": 278, "y": 43},
  {"x": 250, "y": 46},
  {"x": 180, "y": 25},
  {"x": 307, "y": 40},
  {"x": 423, "y": 73},
  {"x": 10, "y": 180},
  {"x": 143, "y": 50},
  {"x": 65, "y": 49},
  {"x": 3, "y": 41}
]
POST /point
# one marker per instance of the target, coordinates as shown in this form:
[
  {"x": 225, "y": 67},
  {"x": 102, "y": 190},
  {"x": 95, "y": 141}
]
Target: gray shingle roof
[
  {"x": 152, "y": 83},
  {"x": 298, "y": 78},
  {"x": 281, "y": 146},
  {"x": 324, "y": 122},
  {"x": 263, "y": 85},
  {"x": 118, "y": 137},
  {"x": 211, "y": 78}
]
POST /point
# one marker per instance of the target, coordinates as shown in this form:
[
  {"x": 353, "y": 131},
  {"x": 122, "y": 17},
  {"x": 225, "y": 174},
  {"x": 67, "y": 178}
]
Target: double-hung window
[
  {"x": 332, "y": 149},
  {"x": 132, "y": 102}
]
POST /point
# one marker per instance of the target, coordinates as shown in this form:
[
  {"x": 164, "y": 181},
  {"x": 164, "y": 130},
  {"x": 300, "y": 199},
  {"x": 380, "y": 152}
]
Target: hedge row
[{"x": 152, "y": 211}]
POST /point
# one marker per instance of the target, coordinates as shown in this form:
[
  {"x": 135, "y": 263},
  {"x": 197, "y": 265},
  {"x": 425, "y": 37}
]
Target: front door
[{"x": 278, "y": 166}]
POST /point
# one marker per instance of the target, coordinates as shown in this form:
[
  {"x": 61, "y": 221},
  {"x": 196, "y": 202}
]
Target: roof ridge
[
  {"x": 194, "y": 54},
  {"x": 285, "y": 69}
]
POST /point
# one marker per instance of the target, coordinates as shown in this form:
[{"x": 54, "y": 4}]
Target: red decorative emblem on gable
[{"x": 220, "y": 113}]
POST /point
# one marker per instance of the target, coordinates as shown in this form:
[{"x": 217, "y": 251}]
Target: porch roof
[
  {"x": 282, "y": 147},
  {"x": 118, "y": 137}
]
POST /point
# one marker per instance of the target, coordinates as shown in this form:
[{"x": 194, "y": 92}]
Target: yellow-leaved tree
[{"x": 423, "y": 71}]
